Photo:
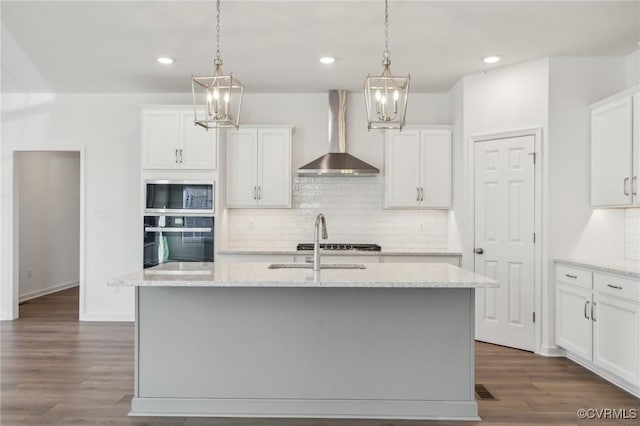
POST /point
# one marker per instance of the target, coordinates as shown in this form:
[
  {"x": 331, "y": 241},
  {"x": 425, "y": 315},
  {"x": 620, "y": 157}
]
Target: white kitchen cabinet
[
  {"x": 418, "y": 168},
  {"x": 615, "y": 151},
  {"x": 337, "y": 258},
  {"x": 616, "y": 327},
  {"x": 573, "y": 320},
  {"x": 171, "y": 141},
  {"x": 599, "y": 325},
  {"x": 259, "y": 167}
]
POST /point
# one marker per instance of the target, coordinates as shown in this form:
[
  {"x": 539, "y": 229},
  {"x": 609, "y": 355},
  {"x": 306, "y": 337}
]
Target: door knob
[{"x": 479, "y": 250}]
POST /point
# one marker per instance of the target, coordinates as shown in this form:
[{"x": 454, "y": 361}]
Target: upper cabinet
[
  {"x": 258, "y": 167},
  {"x": 615, "y": 151},
  {"x": 170, "y": 140},
  {"x": 418, "y": 168}
]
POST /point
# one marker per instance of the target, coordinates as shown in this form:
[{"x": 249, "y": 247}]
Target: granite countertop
[
  {"x": 258, "y": 274},
  {"x": 384, "y": 252},
  {"x": 628, "y": 268}
]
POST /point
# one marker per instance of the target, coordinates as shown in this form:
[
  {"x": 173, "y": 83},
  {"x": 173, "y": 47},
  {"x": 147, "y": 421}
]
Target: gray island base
[{"x": 220, "y": 341}]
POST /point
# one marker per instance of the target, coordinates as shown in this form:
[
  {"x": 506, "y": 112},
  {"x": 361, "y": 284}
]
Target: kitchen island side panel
[{"x": 304, "y": 344}]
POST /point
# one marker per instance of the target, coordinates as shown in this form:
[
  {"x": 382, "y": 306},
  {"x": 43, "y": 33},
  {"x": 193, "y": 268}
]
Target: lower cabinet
[{"x": 598, "y": 323}]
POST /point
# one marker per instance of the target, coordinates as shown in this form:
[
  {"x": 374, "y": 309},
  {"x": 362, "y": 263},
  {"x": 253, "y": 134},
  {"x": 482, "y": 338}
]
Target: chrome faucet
[{"x": 316, "y": 239}]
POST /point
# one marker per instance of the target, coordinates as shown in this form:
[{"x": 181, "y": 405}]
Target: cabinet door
[
  {"x": 274, "y": 167},
  {"x": 160, "y": 139},
  {"x": 199, "y": 146},
  {"x": 611, "y": 160},
  {"x": 242, "y": 157},
  {"x": 616, "y": 334},
  {"x": 636, "y": 150},
  {"x": 573, "y": 320},
  {"x": 402, "y": 169},
  {"x": 435, "y": 168}
]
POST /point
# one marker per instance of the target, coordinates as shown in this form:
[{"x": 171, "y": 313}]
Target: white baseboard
[
  {"x": 48, "y": 290},
  {"x": 107, "y": 317},
  {"x": 551, "y": 351},
  {"x": 631, "y": 388}
]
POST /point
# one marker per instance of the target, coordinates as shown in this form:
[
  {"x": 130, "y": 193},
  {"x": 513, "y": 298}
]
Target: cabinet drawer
[
  {"x": 614, "y": 285},
  {"x": 574, "y": 276}
]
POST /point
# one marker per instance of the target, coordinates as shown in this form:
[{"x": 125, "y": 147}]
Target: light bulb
[
  {"x": 383, "y": 100},
  {"x": 209, "y": 96},
  {"x": 216, "y": 94},
  {"x": 226, "y": 97},
  {"x": 377, "y": 95},
  {"x": 396, "y": 95}
]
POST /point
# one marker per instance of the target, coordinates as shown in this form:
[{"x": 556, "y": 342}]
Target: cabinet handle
[
  {"x": 586, "y": 308},
  {"x": 176, "y": 156},
  {"x": 417, "y": 194},
  {"x": 617, "y": 287},
  {"x": 634, "y": 185},
  {"x": 571, "y": 276},
  {"x": 626, "y": 181},
  {"x": 421, "y": 194},
  {"x": 593, "y": 311},
  {"x": 181, "y": 155},
  {"x": 255, "y": 192},
  {"x": 259, "y": 192}
]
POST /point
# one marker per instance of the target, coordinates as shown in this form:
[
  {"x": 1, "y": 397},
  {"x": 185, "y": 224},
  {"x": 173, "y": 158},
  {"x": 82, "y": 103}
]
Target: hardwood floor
[{"x": 58, "y": 371}]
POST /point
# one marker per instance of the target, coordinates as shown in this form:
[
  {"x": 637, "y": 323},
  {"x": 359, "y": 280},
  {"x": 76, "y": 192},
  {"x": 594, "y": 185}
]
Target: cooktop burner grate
[{"x": 340, "y": 246}]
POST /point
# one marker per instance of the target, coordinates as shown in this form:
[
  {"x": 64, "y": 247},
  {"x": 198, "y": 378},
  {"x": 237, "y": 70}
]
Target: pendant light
[
  {"x": 386, "y": 95},
  {"x": 217, "y": 99}
]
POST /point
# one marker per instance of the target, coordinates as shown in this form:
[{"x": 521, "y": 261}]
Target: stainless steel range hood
[{"x": 337, "y": 162}]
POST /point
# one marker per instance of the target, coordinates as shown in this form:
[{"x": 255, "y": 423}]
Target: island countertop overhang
[{"x": 258, "y": 275}]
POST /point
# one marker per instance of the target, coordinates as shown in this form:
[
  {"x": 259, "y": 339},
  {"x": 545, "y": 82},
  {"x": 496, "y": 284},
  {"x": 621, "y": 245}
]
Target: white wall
[
  {"x": 632, "y": 69},
  {"x": 49, "y": 221},
  {"x": 575, "y": 229},
  {"x": 107, "y": 128}
]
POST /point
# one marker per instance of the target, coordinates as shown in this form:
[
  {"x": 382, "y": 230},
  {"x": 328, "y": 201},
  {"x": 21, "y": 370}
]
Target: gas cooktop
[{"x": 340, "y": 246}]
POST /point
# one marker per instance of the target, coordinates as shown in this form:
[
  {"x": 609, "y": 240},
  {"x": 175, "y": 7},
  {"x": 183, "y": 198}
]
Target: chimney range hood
[{"x": 337, "y": 162}]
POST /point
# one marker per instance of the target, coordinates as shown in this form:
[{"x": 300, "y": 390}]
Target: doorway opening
[{"x": 47, "y": 219}]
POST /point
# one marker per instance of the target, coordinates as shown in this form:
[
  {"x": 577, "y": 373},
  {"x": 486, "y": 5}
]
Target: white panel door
[
  {"x": 504, "y": 227},
  {"x": 242, "y": 158},
  {"x": 573, "y": 320},
  {"x": 199, "y": 146},
  {"x": 435, "y": 168},
  {"x": 274, "y": 167},
  {"x": 160, "y": 139},
  {"x": 402, "y": 169},
  {"x": 611, "y": 160},
  {"x": 616, "y": 331}
]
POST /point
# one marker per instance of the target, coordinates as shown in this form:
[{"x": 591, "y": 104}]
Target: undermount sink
[{"x": 322, "y": 266}]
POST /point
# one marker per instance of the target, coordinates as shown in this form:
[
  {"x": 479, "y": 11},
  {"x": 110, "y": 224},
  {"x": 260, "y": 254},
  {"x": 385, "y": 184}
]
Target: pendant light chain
[
  {"x": 218, "y": 30},
  {"x": 386, "y": 53}
]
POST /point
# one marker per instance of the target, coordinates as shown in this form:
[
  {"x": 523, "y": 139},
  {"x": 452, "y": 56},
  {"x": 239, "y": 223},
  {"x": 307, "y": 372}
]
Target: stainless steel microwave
[{"x": 181, "y": 197}]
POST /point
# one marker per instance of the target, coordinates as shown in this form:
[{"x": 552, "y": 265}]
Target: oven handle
[{"x": 158, "y": 229}]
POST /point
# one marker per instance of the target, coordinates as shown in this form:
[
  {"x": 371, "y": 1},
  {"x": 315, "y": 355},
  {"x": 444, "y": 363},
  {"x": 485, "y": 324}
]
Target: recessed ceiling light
[
  {"x": 491, "y": 59},
  {"x": 327, "y": 60},
  {"x": 165, "y": 60}
]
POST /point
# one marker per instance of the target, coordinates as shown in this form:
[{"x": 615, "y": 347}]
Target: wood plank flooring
[{"x": 58, "y": 371}]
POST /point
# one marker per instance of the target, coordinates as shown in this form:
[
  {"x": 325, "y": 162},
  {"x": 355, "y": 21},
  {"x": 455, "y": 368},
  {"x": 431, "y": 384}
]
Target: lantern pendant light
[
  {"x": 217, "y": 99},
  {"x": 386, "y": 95}
]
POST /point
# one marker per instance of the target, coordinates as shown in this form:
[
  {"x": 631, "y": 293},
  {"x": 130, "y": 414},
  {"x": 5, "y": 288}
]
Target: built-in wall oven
[{"x": 178, "y": 222}]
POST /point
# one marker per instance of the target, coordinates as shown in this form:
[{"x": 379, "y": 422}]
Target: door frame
[
  {"x": 538, "y": 216},
  {"x": 13, "y": 231}
]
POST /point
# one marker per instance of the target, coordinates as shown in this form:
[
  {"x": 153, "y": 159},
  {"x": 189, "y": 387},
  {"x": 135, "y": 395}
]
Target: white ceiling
[{"x": 274, "y": 46}]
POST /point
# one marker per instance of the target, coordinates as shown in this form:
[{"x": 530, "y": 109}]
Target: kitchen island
[{"x": 242, "y": 340}]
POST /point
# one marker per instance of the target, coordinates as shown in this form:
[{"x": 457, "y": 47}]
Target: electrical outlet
[
  {"x": 28, "y": 273},
  {"x": 422, "y": 228}
]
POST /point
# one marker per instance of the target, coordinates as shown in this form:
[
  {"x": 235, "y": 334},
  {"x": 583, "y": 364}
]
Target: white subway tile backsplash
[
  {"x": 354, "y": 213},
  {"x": 632, "y": 234}
]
